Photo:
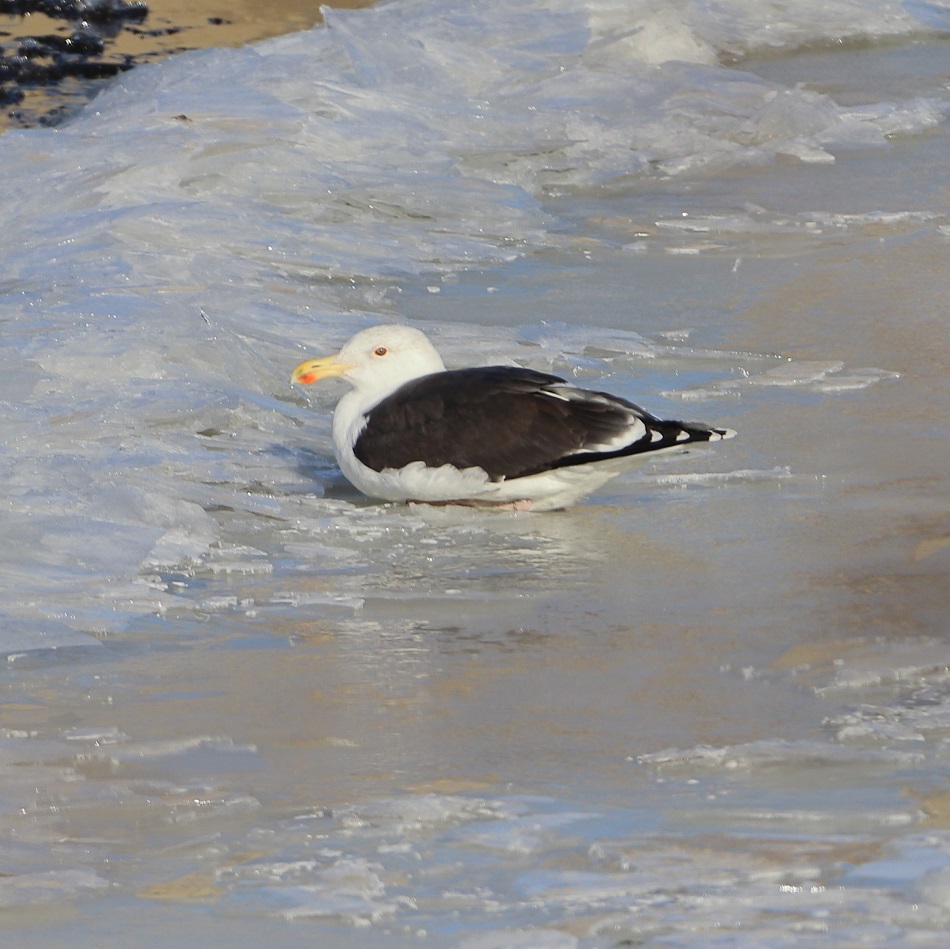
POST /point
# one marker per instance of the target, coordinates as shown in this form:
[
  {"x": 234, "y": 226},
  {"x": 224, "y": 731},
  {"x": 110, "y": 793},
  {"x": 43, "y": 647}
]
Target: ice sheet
[
  {"x": 604, "y": 190},
  {"x": 145, "y": 242}
]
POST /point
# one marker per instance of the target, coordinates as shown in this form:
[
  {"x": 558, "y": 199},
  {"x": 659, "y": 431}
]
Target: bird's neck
[{"x": 349, "y": 417}]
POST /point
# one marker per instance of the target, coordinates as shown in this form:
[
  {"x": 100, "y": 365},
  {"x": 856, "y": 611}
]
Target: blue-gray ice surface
[{"x": 707, "y": 707}]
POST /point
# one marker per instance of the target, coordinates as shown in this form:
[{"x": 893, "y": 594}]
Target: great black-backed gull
[{"x": 410, "y": 430}]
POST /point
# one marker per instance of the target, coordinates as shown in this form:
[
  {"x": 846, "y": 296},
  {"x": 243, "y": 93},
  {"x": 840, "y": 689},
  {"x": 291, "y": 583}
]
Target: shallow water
[{"x": 709, "y": 706}]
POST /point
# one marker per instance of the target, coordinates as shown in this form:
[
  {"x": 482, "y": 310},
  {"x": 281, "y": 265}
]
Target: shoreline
[{"x": 51, "y": 68}]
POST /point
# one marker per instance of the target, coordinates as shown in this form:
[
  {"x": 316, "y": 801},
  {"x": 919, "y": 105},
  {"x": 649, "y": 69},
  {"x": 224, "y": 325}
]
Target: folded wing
[{"x": 511, "y": 422}]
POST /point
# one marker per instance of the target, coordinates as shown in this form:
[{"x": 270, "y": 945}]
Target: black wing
[{"x": 511, "y": 422}]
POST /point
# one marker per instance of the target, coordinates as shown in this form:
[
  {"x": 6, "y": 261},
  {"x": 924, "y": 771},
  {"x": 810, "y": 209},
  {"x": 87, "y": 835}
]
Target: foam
[{"x": 824, "y": 376}]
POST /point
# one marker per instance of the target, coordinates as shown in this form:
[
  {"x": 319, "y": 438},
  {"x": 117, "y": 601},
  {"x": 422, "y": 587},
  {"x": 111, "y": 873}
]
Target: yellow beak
[{"x": 313, "y": 370}]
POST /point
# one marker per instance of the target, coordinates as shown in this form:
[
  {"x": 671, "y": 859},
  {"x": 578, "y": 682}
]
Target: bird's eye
[{"x": 380, "y": 350}]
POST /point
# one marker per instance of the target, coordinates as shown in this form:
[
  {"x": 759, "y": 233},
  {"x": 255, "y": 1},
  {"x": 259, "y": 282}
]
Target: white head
[{"x": 376, "y": 360}]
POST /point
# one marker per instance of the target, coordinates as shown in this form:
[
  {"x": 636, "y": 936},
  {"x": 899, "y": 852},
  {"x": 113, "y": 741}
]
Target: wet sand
[{"x": 206, "y": 23}]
